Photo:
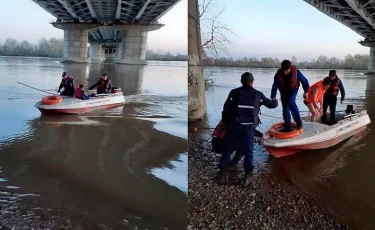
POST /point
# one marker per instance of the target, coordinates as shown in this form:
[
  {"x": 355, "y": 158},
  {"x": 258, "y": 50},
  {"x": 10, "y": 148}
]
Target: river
[
  {"x": 121, "y": 168},
  {"x": 341, "y": 177}
]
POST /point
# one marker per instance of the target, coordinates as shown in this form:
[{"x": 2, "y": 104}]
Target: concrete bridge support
[
  {"x": 96, "y": 52},
  {"x": 132, "y": 50},
  {"x": 371, "y": 60},
  {"x": 196, "y": 84},
  {"x": 75, "y": 41}
]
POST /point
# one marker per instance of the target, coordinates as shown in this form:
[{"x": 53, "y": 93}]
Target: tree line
[
  {"x": 53, "y": 47},
  {"x": 357, "y": 62}
]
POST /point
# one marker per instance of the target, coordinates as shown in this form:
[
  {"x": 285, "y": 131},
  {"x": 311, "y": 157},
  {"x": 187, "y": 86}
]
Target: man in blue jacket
[
  {"x": 287, "y": 80},
  {"x": 240, "y": 116}
]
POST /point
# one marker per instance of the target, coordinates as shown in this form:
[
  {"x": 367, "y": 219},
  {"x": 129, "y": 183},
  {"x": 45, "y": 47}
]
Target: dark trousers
[
  {"x": 288, "y": 102},
  {"x": 241, "y": 138},
  {"x": 238, "y": 155},
  {"x": 331, "y": 101},
  {"x": 67, "y": 93}
]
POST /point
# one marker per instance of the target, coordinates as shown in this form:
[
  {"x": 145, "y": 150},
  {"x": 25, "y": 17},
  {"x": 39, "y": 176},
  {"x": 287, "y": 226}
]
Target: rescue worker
[
  {"x": 287, "y": 80},
  {"x": 314, "y": 96},
  {"x": 68, "y": 83},
  {"x": 80, "y": 93},
  {"x": 240, "y": 116},
  {"x": 330, "y": 97},
  {"x": 103, "y": 85}
]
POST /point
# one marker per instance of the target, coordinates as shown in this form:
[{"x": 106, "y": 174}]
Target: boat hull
[
  {"x": 71, "y": 105},
  {"x": 286, "y": 151},
  {"x": 317, "y": 135},
  {"x": 78, "y": 111}
]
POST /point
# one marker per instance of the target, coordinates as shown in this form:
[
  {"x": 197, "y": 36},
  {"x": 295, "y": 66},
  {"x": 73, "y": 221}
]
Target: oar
[{"x": 37, "y": 89}]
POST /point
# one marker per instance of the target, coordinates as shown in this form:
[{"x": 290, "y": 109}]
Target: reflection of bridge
[
  {"x": 109, "y": 26},
  {"x": 358, "y": 15}
]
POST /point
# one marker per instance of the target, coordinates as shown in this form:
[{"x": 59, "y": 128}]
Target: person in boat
[
  {"x": 80, "y": 93},
  {"x": 315, "y": 97},
  {"x": 240, "y": 117},
  {"x": 287, "y": 80},
  {"x": 103, "y": 85},
  {"x": 67, "y": 83},
  {"x": 330, "y": 97}
]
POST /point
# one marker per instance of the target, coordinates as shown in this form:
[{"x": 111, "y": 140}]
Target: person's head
[
  {"x": 332, "y": 74},
  {"x": 64, "y": 75},
  {"x": 326, "y": 83},
  {"x": 81, "y": 86},
  {"x": 104, "y": 76},
  {"x": 286, "y": 65},
  {"x": 247, "y": 79}
]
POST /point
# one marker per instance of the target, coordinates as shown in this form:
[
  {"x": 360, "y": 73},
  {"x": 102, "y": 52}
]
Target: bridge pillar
[
  {"x": 96, "y": 52},
  {"x": 75, "y": 41},
  {"x": 371, "y": 58},
  {"x": 132, "y": 50}
]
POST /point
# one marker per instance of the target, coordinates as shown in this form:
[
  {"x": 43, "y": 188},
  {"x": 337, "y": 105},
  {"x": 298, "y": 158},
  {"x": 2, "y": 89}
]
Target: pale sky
[
  {"x": 25, "y": 20},
  {"x": 283, "y": 28}
]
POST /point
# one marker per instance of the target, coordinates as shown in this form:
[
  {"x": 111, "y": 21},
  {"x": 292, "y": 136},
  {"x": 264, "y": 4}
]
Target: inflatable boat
[
  {"x": 314, "y": 135},
  {"x": 70, "y": 105}
]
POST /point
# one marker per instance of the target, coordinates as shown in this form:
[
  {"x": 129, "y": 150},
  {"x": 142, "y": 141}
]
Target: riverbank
[{"x": 267, "y": 203}]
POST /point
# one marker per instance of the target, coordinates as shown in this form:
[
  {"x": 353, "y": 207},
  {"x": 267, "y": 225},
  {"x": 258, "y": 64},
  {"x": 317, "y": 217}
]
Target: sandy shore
[{"x": 266, "y": 204}]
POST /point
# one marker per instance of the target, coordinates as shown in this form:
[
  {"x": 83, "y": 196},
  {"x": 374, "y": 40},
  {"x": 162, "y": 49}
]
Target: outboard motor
[{"x": 350, "y": 109}]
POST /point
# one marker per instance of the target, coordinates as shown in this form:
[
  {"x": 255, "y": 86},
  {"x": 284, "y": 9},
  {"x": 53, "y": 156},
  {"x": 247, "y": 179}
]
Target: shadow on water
[
  {"x": 342, "y": 177},
  {"x": 126, "y": 163}
]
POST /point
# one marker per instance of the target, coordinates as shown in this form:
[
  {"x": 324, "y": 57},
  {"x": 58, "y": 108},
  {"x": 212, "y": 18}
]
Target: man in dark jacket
[
  {"x": 330, "y": 96},
  {"x": 287, "y": 80},
  {"x": 103, "y": 85},
  {"x": 240, "y": 116},
  {"x": 67, "y": 83}
]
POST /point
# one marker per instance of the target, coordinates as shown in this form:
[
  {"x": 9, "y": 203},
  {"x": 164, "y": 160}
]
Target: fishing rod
[{"x": 37, "y": 89}]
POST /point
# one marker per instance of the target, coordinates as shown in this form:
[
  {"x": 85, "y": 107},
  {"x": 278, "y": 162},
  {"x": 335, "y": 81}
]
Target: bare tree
[
  {"x": 214, "y": 32},
  {"x": 214, "y": 35}
]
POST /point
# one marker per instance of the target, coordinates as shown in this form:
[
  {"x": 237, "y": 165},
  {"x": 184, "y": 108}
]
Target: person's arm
[
  {"x": 94, "y": 85},
  {"x": 314, "y": 94},
  {"x": 342, "y": 91},
  {"x": 271, "y": 104},
  {"x": 274, "y": 87},
  {"x": 227, "y": 108},
  {"x": 60, "y": 87},
  {"x": 108, "y": 86},
  {"x": 305, "y": 83}
]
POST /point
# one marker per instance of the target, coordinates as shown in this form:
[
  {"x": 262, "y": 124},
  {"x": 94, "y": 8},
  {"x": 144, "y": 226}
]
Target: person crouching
[
  {"x": 315, "y": 96},
  {"x": 80, "y": 93}
]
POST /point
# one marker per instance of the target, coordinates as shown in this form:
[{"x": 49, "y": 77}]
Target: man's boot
[
  {"x": 299, "y": 126},
  {"x": 222, "y": 179},
  {"x": 246, "y": 179}
]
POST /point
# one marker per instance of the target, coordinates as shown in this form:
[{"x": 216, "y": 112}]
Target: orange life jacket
[
  {"x": 319, "y": 95},
  {"x": 334, "y": 87},
  {"x": 294, "y": 83}
]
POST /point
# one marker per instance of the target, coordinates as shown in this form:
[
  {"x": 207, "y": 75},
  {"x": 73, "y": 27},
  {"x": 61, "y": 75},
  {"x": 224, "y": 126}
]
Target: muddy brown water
[{"x": 119, "y": 168}]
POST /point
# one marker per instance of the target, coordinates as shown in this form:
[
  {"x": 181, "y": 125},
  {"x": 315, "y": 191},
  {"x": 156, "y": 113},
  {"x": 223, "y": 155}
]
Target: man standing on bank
[
  {"x": 240, "y": 116},
  {"x": 330, "y": 97},
  {"x": 287, "y": 80}
]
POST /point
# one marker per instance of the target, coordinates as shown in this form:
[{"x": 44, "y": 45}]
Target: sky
[
  {"x": 25, "y": 20},
  {"x": 283, "y": 28}
]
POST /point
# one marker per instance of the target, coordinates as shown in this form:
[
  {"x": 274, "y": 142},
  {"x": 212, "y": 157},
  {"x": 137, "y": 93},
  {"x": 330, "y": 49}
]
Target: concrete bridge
[
  {"x": 109, "y": 26},
  {"x": 358, "y": 15}
]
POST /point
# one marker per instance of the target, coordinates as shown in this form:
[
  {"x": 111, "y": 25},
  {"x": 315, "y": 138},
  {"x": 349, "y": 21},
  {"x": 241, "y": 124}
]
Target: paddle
[{"x": 38, "y": 89}]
